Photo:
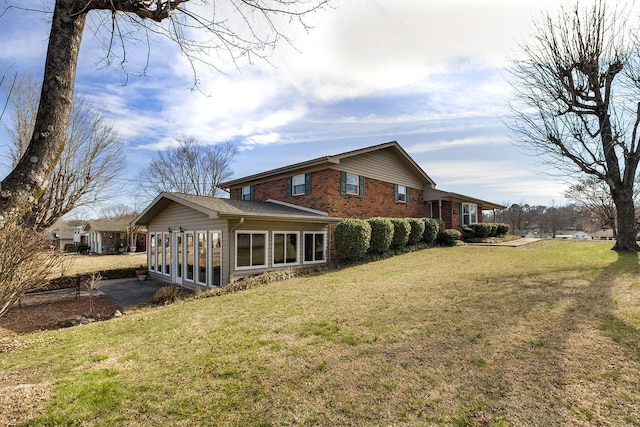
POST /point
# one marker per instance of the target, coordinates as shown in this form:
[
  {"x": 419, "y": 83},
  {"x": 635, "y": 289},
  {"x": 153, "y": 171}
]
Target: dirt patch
[{"x": 46, "y": 310}]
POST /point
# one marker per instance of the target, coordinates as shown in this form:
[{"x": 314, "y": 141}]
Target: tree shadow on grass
[{"x": 574, "y": 354}]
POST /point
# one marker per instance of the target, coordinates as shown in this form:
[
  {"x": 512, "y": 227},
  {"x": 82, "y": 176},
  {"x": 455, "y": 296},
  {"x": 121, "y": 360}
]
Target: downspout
[{"x": 237, "y": 225}]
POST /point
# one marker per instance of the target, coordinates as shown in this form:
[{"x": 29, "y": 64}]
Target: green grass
[{"x": 545, "y": 334}]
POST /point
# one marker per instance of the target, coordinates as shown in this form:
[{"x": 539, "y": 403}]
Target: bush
[
  {"x": 166, "y": 294},
  {"x": 381, "y": 234},
  {"x": 353, "y": 237},
  {"x": 417, "y": 230},
  {"x": 486, "y": 229},
  {"x": 25, "y": 263},
  {"x": 401, "y": 230},
  {"x": 448, "y": 237},
  {"x": 431, "y": 229},
  {"x": 502, "y": 229}
]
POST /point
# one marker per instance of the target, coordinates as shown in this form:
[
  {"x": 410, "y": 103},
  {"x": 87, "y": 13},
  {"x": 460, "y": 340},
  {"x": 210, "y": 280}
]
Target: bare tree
[
  {"x": 25, "y": 263},
  {"x": 191, "y": 168},
  {"x": 122, "y": 213},
  {"x": 595, "y": 197},
  {"x": 578, "y": 87},
  {"x": 242, "y": 28},
  {"x": 93, "y": 156}
]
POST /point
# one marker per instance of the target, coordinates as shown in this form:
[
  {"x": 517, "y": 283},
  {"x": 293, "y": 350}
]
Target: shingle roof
[{"x": 218, "y": 207}]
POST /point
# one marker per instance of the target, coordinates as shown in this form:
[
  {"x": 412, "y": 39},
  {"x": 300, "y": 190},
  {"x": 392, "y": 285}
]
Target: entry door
[
  {"x": 215, "y": 258},
  {"x": 178, "y": 258}
]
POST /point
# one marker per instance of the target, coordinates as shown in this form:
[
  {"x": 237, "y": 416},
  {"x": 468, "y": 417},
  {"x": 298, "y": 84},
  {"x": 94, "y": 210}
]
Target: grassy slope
[{"x": 546, "y": 334}]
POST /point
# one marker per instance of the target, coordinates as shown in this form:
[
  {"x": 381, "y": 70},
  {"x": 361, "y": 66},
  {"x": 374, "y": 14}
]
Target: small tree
[{"x": 25, "y": 263}]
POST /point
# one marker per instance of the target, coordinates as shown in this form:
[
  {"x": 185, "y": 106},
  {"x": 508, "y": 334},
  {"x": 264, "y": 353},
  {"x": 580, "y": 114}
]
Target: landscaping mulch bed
[{"x": 43, "y": 311}]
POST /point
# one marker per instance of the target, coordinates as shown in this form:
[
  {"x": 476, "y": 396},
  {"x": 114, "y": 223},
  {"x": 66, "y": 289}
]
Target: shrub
[
  {"x": 481, "y": 230},
  {"x": 417, "y": 230},
  {"x": 401, "y": 230},
  {"x": 448, "y": 237},
  {"x": 502, "y": 229},
  {"x": 24, "y": 263},
  {"x": 381, "y": 234},
  {"x": 166, "y": 294},
  {"x": 353, "y": 237},
  {"x": 431, "y": 229}
]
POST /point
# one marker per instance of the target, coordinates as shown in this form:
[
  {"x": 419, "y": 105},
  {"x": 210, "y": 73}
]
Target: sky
[{"x": 428, "y": 74}]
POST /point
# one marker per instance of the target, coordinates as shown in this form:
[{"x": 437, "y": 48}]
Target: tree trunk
[
  {"x": 627, "y": 229},
  {"x": 28, "y": 180}
]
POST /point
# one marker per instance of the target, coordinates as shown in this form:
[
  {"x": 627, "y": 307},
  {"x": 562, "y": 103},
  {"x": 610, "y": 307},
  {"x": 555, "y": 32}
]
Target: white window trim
[
  {"x": 471, "y": 220},
  {"x": 324, "y": 249},
  {"x": 266, "y": 250},
  {"x": 196, "y": 257},
  {"x": 357, "y": 184},
  {"x": 164, "y": 254},
  {"x": 294, "y": 185},
  {"x": 273, "y": 248},
  {"x": 185, "y": 266},
  {"x": 403, "y": 194}
]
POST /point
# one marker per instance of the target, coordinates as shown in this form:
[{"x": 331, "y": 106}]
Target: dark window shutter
[
  {"x": 343, "y": 182},
  {"x": 240, "y": 193},
  {"x": 460, "y": 214},
  {"x": 395, "y": 192},
  {"x": 408, "y": 195},
  {"x": 288, "y": 186},
  {"x": 307, "y": 183},
  {"x": 361, "y": 186},
  {"x": 252, "y": 192}
]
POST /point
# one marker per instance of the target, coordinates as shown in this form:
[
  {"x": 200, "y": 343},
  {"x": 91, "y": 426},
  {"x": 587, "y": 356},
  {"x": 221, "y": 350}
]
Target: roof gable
[{"x": 333, "y": 161}]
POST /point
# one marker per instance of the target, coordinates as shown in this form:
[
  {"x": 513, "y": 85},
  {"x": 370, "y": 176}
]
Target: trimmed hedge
[
  {"x": 401, "y": 230},
  {"x": 448, "y": 237},
  {"x": 431, "y": 229},
  {"x": 353, "y": 237},
  {"x": 417, "y": 230},
  {"x": 483, "y": 230},
  {"x": 381, "y": 234}
]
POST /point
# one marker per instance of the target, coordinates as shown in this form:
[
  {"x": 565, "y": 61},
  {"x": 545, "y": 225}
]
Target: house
[
  {"x": 105, "y": 237},
  {"x": 284, "y": 217},
  {"x": 200, "y": 242},
  {"x": 382, "y": 180}
]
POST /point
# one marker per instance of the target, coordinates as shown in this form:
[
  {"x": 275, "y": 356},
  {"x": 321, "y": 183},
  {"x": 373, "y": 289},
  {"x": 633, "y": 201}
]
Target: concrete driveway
[{"x": 130, "y": 291}]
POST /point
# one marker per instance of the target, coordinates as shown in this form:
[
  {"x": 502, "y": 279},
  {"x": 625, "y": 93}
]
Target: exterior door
[{"x": 177, "y": 259}]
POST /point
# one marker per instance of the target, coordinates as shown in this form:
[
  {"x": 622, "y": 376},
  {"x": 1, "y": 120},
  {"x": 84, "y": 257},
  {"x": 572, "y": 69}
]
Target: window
[
  {"x": 190, "y": 249},
  {"x": 251, "y": 249},
  {"x": 201, "y": 240},
  {"x": 246, "y": 192},
  {"x": 298, "y": 184},
  {"x": 351, "y": 184},
  {"x": 402, "y": 194},
  {"x": 285, "y": 248},
  {"x": 468, "y": 214},
  {"x": 167, "y": 253},
  {"x": 152, "y": 252},
  {"x": 314, "y": 247}
]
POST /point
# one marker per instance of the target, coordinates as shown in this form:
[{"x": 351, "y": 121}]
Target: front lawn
[{"x": 544, "y": 334}]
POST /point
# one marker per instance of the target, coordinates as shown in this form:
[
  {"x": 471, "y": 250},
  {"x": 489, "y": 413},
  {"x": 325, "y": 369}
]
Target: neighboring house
[
  {"x": 285, "y": 216},
  {"x": 200, "y": 241},
  {"x": 105, "y": 237}
]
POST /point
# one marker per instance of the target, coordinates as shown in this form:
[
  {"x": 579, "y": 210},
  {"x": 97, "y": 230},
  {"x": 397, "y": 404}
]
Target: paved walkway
[
  {"x": 510, "y": 244},
  {"x": 130, "y": 291}
]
